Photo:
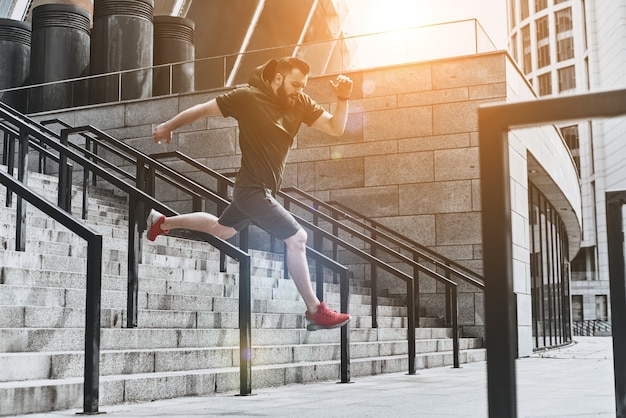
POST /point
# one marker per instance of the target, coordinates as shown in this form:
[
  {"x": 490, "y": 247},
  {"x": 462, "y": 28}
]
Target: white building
[{"x": 571, "y": 47}]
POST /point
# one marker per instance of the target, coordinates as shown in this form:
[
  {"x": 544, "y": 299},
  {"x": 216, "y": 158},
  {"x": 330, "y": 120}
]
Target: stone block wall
[{"x": 408, "y": 158}]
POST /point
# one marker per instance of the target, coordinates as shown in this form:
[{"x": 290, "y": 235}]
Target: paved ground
[{"x": 575, "y": 381}]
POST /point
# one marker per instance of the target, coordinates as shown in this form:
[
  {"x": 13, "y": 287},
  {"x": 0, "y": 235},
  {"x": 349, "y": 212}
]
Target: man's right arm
[{"x": 202, "y": 110}]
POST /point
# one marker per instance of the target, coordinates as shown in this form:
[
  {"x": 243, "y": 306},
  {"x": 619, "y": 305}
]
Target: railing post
[
  {"x": 344, "y": 287},
  {"x": 319, "y": 271},
  {"x": 410, "y": 325},
  {"x": 245, "y": 328},
  {"x": 455, "y": 326},
  {"x": 500, "y": 315},
  {"x": 416, "y": 290},
  {"x": 136, "y": 212},
  {"x": 374, "y": 286},
  {"x": 92, "y": 325},
  {"x": 617, "y": 285},
  {"x": 65, "y": 195},
  {"x": 10, "y": 163},
  {"x": 22, "y": 176}
]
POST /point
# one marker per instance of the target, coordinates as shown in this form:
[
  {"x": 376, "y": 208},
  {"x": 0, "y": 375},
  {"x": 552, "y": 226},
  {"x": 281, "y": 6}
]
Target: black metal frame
[
  {"x": 94, "y": 281},
  {"x": 44, "y": 138},
  {"x": 494, "y": 122}
]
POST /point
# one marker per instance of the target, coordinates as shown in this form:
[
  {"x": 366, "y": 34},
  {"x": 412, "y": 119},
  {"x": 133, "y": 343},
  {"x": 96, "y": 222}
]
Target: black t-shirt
[{"x": 266, "y": 132}]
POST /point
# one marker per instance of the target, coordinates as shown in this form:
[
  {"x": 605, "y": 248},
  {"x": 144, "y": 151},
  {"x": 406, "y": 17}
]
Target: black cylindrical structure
[
  {"x": 15, "y": 45},
  {"x": 60, "y": 51},
  {"x": 122, "y": 39},
  {"x": 173, "y": 44}
]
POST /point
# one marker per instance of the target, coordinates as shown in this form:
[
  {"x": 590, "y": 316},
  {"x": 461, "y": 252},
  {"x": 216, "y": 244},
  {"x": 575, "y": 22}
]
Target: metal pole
[
  {"x": 498, "y": 265},
  {"x": 345, "y": 330},
  {"x": 22, "y": 175},
  {"x": 245, "y": 328},
  {"x": 617, "y": 284},
  {"x": 410, "y": 313},
  {"x": 92, "y": 325}
]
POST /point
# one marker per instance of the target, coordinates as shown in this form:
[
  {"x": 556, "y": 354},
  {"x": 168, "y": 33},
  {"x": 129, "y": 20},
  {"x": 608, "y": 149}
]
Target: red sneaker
[
  {"x": 325, "y": 318},
  {"x": 154, "y": 221}
]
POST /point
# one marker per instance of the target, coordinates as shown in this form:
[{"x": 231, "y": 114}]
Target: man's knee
[
  {"x": 223, "y": 232},
  {"x": 297, "y": 240}
]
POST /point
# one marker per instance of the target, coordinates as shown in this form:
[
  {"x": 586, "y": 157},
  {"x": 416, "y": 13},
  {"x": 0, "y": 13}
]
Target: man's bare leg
[
  {"x": 195, "y": 221},
  {"x": 299, "y": 269}
]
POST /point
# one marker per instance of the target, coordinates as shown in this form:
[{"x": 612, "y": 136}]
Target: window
[
  {"x": 543, "y": 30},
  {"x": 570, "y": 134},
  {"x": 577, "y": 308},
  {"x": 550, "y": 280},
  {"x": 525, "y": 10},
  {"x": 567, "y": 78},
  {"x": 564, "y": 20},
  {"x": 513, "y": 14},
  {"x": 565, "y": 49},
  {"x": 559, "y": 1},
  {"x": 514, "y": 47},
  {"x": 601, "y": 308},
  {"x": 528, "y": 66},
  {"x": 543, "y": 56},
  {"x": 545, "y": 84},
  {"x": 583, "y": 266},
  {"x": 540, "y": 5}
]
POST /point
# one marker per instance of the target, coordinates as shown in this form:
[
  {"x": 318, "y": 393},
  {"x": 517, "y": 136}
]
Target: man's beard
[{"x": 285, "y": 99}]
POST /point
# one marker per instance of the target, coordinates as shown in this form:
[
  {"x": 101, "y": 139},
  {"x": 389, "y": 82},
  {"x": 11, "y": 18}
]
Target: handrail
[
  {"x": 94, "y": 284},
  {"x": 369, "y": 257},
  {"x": 30, "y": 128},
  {"x": 415, "y": 247}
]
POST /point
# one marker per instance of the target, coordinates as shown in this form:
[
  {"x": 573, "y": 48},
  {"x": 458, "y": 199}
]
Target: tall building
[{"x": 573, "y": 47}]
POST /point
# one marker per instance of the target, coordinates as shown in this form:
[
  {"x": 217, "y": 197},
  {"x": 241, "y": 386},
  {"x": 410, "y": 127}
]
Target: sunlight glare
[{"x": 372, "y": 16}]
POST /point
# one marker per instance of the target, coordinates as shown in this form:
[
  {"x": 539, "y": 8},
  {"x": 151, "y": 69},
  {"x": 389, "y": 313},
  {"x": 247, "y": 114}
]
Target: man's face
[{"x": 291, "y": 87}]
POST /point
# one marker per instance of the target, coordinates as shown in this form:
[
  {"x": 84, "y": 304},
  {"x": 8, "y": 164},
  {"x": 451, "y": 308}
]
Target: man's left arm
[{"x": 335, "y": 124}]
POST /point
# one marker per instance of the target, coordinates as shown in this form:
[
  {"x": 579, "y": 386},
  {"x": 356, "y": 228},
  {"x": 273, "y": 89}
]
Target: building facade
[{"x": 569, "y": 47}]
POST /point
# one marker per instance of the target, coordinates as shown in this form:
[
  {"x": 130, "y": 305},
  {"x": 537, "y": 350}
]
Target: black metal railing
[
  {"x": 591, "y": 327},
  {"x": 93, "y": 285},
  {"x": 147, "y": 171},
  {"x": 416, "y": 249},
  {"x": 379, "y": 233},
  {"x": 31, "y": 132},
  {"x": 494, "y": 123},
  {"x": 333, "y": 237}
]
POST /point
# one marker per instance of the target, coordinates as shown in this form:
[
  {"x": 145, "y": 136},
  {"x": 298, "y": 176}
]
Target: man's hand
[
  {"x": 342, "y": 87},
  {"x": 162, "y": 132}
]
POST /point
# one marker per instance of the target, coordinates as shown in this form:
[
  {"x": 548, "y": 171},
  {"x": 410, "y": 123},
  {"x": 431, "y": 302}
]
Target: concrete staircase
[{"x": 187, "y": 342}]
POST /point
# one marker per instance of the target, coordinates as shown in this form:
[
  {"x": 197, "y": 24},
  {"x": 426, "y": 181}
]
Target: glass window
[
  {"x": 524, "y": 9},
  {"x": 602, "y": 313},
  {"x": 513, "y": 22},
  {"x": 543, "y": 56},
  {"x": 565, "y": 49},
  {"x": 550, "y": 281},
  {"x": 567, "y": 78},
  {"x": 540, "y": 5},
  {"x": 559, "y": 1},
  {"x": 570, "y": 135},
  {"x": 563, "y": 20},
  {"x": 545, "y": 84},
  {"x": 543, "y": 30},
  {"x": 577, "y": 307},
  {"x": 528, "y": 67}
]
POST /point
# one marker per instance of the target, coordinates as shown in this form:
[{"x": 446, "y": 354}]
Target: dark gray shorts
[{"x": 257, "y": 205}]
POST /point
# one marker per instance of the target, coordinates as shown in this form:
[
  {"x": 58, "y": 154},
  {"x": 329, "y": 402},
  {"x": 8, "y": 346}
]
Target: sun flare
[{"x": 373, "y": 16}]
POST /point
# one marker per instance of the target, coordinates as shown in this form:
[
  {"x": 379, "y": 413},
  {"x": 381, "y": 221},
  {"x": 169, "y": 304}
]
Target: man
[{"x": 269, "y": 112}]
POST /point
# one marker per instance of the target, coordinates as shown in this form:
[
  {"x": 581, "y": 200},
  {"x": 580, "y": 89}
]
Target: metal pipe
[{"x": 617, "y": 283}]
